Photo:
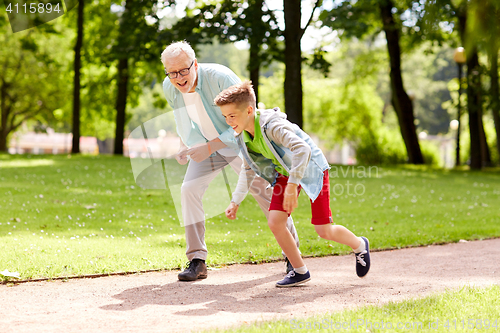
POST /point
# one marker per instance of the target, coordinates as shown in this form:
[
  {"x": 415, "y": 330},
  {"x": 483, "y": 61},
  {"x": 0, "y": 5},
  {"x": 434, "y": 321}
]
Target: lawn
[
  {"x": 73, "y": 215},
  {"x": 465, "y": 310}
]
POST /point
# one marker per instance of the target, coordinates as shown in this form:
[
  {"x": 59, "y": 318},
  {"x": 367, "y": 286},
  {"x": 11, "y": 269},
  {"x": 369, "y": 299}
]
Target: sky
[{"x": 314, "y": 37}]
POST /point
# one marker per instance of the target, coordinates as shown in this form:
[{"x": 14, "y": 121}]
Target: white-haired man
[{"x": 190, "y": 89}]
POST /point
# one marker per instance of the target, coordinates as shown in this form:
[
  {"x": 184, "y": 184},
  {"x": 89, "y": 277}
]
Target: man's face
[
  {"x": 186, "y": 83},
  {"x": 239, "y": 118}
]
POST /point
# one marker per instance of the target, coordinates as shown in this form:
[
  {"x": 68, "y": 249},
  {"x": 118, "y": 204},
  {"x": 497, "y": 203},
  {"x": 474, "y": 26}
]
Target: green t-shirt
[{"x": 258, "y": 145}]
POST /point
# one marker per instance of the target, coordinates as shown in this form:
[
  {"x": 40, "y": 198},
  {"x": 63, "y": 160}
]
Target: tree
[
  {"x": 464, "y": 16},
  {"x": 367, "y": 17},
  {"x": 119, "y": 55},
  {"x": 138, "y": 30},
  {"x": 474, "y": 108},
  {"x": 480, "y": 154},
  {"x": 485, "y": 28},
  {"x": 494, "y": 89},
  {"x": 27, "y": 60},
  {"x": 252, "y": 20},
  {"x": 230, "y": 21},
  {"x": 293, "y": 58},
  {"x": 76, "y": 79},
  {"x": 98, "y": 88},
  {"x": 400, "y": 99},
  {"x": 258, "y": 35}
]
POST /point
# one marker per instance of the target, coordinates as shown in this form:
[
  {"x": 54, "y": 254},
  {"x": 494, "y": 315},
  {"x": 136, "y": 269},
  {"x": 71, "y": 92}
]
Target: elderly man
[{"x": 190, "y": 89}]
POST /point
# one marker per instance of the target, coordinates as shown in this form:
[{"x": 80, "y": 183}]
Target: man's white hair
[{"x": 175, "y": 49}]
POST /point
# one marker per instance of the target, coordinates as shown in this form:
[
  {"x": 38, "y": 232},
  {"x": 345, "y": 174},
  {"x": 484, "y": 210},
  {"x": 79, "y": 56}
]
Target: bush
[
  {"x": 385, "y": 147},
  {"x": 430, "y": 153},
  {"x": 336, "y": 111}
]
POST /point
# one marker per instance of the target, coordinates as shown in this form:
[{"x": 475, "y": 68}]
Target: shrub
[
  {"x": 430, "y": 153},
  {"x": 384, "y": 148}
]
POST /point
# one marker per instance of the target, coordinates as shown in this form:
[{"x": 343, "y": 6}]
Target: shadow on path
[{"x": 211, "y": 299}]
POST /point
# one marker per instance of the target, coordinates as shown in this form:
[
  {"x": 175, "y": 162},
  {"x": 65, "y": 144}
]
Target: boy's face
[{"x": 240, "y": 118}]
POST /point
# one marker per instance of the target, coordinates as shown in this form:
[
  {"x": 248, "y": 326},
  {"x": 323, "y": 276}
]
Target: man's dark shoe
[
  {"x": 289, "y": 266},
  {"x": 196, "y": 270},
  {"x": 363, "y": 260}
]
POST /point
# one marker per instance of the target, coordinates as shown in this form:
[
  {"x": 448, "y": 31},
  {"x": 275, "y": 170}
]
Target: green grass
[
  {"x": 64, "y": 216},
  {"x": 465, "y": 310}
]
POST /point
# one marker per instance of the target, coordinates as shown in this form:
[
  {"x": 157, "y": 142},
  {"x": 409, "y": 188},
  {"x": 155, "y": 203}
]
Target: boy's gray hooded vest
[{"x": 312, "y": 165}]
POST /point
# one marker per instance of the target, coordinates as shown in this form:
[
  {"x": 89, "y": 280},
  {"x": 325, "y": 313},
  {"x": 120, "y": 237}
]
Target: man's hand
[
  {"x": 231, "y": 211},
  {"x": 200, "y": 153},
  {"x": 181, "y": 156},
  {"x": 290, "y": 201}
]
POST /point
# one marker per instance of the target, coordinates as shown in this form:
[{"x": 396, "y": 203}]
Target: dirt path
[{"x": 157, "y": 302}]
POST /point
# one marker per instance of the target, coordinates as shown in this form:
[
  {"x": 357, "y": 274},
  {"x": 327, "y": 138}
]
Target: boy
[{"x": 285, "y": 156}]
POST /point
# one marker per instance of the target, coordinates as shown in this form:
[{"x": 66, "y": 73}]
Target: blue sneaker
[
  {"x": 293, "y": 279},
  {"x": 363, "y": 260}
]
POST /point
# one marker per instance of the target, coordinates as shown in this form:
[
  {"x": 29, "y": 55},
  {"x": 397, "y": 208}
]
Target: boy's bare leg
[
  {"x": 342, "y": 235},
  {"x": 337, "y": 233},
  {"x": 263, "y": 196},
  {"x": 277, "y": 223}
]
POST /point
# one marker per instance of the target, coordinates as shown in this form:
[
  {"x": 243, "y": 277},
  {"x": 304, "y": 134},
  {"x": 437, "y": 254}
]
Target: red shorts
[{"x": 320, "y": 208}]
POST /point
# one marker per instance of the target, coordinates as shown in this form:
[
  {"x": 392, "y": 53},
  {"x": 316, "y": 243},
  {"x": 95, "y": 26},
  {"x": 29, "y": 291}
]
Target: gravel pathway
[{"x": 157, "y": 302}]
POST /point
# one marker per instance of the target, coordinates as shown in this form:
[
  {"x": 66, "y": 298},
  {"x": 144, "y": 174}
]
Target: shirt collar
[
  {"x": 246, "y": 136},
  {"x": 199, "y": 77}
]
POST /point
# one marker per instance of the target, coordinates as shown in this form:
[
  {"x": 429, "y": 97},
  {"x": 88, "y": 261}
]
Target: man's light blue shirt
[{"x": 212, "y": 79}]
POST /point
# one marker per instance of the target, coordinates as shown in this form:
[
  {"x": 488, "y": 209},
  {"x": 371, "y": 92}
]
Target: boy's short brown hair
[{"x": 241, "y": 93}]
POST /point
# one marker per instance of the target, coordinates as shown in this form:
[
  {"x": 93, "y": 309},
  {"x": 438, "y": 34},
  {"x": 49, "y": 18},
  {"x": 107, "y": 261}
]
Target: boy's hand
[
  {"x": 231, "y": 211},
  {"x": 290, "y": 201}
]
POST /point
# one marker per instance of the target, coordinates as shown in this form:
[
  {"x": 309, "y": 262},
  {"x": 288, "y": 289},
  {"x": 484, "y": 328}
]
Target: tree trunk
[
  {"x": 293, "y": 61},
  {"x": 495, "y": 92},
  {"x": 3, "y": 117},
  {"x": 76, "y": 80},
  {"x": 479, "y": 150},
  {"x": 485, "y": 149},
  {"x": 400, "y": 100},
  {"x": 3, "y": 131},
  {"x": 459, "y": 115},
  {"x": 254, "y": 69},
  {"x": 3, "y": 142},
  {"x": 121, "y": 104},
  {"x": 474, "y": 106},
  {"x": 255, "y": 41}
]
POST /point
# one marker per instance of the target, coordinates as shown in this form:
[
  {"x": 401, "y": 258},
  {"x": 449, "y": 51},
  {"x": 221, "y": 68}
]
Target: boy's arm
[
  {"x": 245, "y": 179},
  {"x": 282, "y": 133}
]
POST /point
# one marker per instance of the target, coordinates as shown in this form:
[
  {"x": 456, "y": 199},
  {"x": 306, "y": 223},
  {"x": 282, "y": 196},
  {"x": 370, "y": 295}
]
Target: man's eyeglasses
[{"x": 182, "y": 72}]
